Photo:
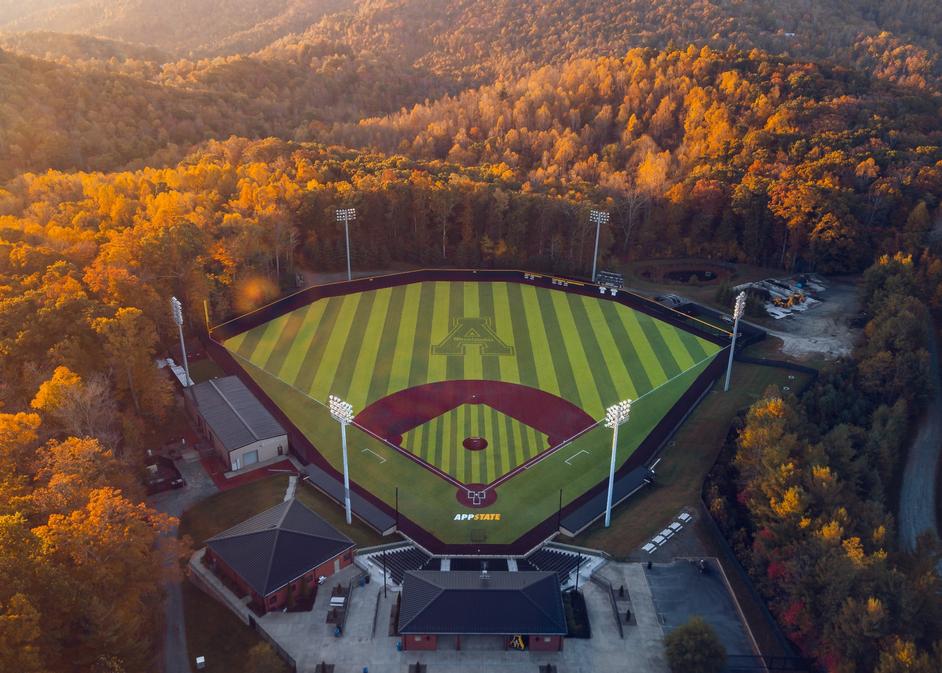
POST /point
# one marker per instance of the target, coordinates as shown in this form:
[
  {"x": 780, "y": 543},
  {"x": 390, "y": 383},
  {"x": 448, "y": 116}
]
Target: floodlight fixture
[
  {"x": 346, "y": 215},
  {"x": 598, "y": 218},
  {"x": 740, "y": 307},
  {"x": 738, "y": 310},
  {"x": 176, "y": 312},
  {"x": 342, "y": 412},
  {"x": 615, "y": 416}
]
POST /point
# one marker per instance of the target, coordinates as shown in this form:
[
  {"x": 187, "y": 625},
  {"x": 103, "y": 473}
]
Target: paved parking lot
[{"x": 680, "y": 591}]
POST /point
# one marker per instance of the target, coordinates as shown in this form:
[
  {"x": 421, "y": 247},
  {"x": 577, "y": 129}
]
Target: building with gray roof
[
  {"x": 525, "y": 609},
  {"x": 240, "y": 428},
  {"x": 278, "y": 556}
]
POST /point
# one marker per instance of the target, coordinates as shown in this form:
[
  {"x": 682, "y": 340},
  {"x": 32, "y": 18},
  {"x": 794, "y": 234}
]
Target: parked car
[{"x": 162, "y": 475}]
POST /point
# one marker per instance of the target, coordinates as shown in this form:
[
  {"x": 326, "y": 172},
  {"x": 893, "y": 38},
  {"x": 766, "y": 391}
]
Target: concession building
[{"x": 523, "y": 609}]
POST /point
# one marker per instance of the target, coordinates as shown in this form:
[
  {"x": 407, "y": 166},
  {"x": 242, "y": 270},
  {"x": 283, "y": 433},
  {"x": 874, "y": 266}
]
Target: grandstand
[{"x": 405, "y": 558}]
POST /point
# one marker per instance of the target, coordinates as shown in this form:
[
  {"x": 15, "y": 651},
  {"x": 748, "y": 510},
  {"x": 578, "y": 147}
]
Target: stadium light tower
[
  {"x": 346, "y": 215},
  {"x": 342, "y": 412},
  {"x": 598, "y": 218},
  {"x": 615, "y": 416},
  {"x": 176, "y": 311},
  {"x": 738, "y": 310}
]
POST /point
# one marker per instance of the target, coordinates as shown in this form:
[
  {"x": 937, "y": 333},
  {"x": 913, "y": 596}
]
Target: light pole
[
  {"x": 345, "y": 215},
  {"x": 738, "y": 310},
  {"x": 615, "y": 415},
  {"x": 176, "y": 310},
  {"x": 598, "y": 218},
  {"x": 342, "y": 412}
]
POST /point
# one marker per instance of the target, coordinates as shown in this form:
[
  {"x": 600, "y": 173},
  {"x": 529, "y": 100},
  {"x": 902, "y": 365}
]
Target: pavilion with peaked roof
[
  {"x": 278, "y": 555},
  {"x": 523, "y": 608}
]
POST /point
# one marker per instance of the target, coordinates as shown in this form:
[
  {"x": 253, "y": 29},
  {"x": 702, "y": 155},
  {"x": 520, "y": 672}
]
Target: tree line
[
  {"x": 730, "y": 155},
  {"x": 808, "y": 492}
]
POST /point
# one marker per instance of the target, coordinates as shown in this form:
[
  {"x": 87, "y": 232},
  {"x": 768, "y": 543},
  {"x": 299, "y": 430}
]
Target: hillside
[
  {"x": 206, "y": 27},
  {"x": 470, "y": 42},
  {"x": 78, "y": 48},
  {"x": 96, "y": 115},
  {"x": 698, "y": 152},
  {"x": 475, "y": 41}
]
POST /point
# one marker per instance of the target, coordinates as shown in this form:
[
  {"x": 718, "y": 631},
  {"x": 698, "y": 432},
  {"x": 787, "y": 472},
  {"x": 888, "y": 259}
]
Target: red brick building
[
  {"x": 523, "y": 608},
  {"x": 277, "y": 556}
]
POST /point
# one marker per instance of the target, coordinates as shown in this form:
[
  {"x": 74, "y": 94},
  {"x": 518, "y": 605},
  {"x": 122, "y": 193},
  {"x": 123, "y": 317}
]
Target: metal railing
[{"x": 607, "y": 586}]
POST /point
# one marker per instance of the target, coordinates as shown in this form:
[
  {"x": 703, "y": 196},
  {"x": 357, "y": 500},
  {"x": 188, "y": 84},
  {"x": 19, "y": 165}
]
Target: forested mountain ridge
[
  {"x": 472, "y": 42},
  {"x": 75, "y": 48},
  {"x": 105, "y": 116},
  {"x": 477, "y": 41},
  {"x": 701, "y": 153}
]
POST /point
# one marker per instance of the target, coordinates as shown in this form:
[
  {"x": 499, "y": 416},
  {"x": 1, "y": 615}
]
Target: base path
[{"x": 917, "y": 512}]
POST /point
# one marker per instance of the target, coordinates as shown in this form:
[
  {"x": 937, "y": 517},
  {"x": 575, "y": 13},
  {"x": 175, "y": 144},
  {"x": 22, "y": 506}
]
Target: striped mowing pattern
[
  {"x": 364, "y": 346},
  {"x": 509, "y": 443}
]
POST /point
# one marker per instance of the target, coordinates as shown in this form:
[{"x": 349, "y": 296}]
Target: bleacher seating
[
  {"x": 401, "y": 560},
  {"x": 560, "y": 562},
  {"x": 524, "y": 565}
]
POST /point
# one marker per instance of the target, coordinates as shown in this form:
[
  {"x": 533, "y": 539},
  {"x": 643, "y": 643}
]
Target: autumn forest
[{"x": 150, "y": 149}]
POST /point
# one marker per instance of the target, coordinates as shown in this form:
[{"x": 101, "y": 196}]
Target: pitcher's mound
[{"x": 474, "y": 443}]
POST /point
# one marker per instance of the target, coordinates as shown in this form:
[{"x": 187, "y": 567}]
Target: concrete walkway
[
  {"x": 292, "y": 487},
  {"x": 366, "y": 642},
  {"x": 917, "y": 513}
]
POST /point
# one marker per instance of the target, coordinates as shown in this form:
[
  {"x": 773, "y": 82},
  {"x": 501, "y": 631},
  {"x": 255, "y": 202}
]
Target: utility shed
[{"x": 239, "y": 427}]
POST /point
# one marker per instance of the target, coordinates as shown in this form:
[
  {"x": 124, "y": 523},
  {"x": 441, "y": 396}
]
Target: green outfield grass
[
  {"x": 368, "y": 345},
  {"x": 590, "y": 351},
  {"x": 510, "y": 443}
]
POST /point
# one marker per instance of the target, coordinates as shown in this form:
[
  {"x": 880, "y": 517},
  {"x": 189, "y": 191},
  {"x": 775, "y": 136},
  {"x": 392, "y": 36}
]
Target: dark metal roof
[
  {"x": 590, "y": 510},
  {"x": 365, "y": 510},
  {"x": 279, "y": 545},
  {"x": 462, "y": 603},
  {"x": 233, "y": 413}
]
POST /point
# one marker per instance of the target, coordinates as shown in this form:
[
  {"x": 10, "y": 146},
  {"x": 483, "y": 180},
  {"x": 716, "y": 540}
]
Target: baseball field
[{"x": 478, "y": 385}]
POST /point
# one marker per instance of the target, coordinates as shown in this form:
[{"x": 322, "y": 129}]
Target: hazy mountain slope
[
  {"x": 198, "y": 27},
  {"x": 74, "y": 47}
]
